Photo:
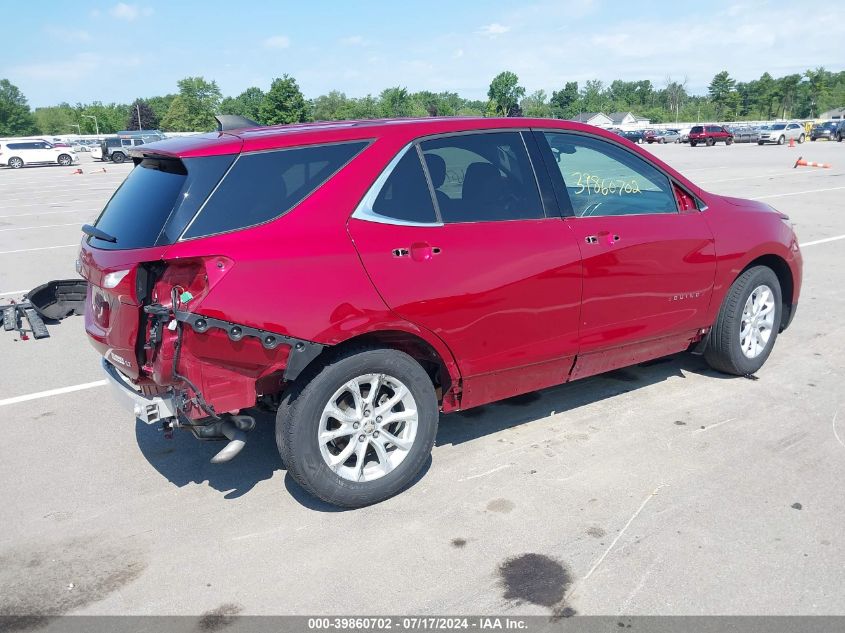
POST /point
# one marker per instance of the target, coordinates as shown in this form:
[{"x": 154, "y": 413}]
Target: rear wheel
[
  {"x": 360, "y": 429},
  {"x": 118, "y": 157},
  {"x": 64, "y": 160},
  {"x": 15, "y": 162},
  {"x": 693, "y": 143},
  {"x": 748, "y": 323}
]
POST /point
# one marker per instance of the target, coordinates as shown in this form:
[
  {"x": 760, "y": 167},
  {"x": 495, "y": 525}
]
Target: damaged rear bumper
[{"x": 149, "y": 409}]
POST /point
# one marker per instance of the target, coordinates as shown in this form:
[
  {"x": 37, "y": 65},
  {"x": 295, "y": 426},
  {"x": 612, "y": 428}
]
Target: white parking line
[
  {"x": 52, "y": 392},
  {"x": 26, "y": 215},
  {"x": 46, "y": 226},
  {"x": 42, "y": 248},
  {"x": 796, "y": 193},
  {"x": 13, "y": 292},
  {"x": 824, "y": 241}
]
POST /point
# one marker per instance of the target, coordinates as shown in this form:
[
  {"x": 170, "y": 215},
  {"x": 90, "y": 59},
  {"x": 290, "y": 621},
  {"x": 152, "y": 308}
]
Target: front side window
[
  {"x": 482, "y": 177},
  {"x": 603, "y": 179},
  {"x": 264, "y": 185}
]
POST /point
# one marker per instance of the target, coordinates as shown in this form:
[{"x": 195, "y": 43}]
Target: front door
[
  {"x": 648, "y": 265},
  {"x": 463, "y": 248}
]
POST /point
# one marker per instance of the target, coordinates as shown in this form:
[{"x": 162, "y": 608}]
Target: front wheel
[
  {"x": 693, "y": 143},
  {"x": 781, "y": 140},
  {"x": 118, "y": 157},
  {"x": 710, "y": 142},
  {"x": 360, "y": 429},
  {"x": 728, "y": 141},
  {"x": 748, "y": 323}
]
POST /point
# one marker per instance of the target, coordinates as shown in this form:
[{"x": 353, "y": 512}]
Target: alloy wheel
[
  {"x": 758, "y": 319},
  {"x": 368, "y": 427}
]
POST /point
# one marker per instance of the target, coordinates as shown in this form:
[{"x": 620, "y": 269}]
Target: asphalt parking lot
[{"x": 658, "y": 489}]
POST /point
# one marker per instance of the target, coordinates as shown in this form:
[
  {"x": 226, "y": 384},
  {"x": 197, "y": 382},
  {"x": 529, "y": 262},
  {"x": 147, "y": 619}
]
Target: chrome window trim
[{"x": 364, "y": 210}]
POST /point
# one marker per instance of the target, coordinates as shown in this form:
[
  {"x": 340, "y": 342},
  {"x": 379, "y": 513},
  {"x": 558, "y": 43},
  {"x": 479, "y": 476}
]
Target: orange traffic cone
[
  {"x": 809, "y": 163},
  {"x": 792, "y": 142},
  {"x": 75, "y": 171}
]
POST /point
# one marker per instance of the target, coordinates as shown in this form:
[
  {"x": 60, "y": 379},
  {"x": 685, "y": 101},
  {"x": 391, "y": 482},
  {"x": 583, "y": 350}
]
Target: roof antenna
[{"x": 233, "y": 122}]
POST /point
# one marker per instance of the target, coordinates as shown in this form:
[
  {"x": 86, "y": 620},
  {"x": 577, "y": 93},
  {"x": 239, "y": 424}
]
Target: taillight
[{"x": 101, "y": 308}]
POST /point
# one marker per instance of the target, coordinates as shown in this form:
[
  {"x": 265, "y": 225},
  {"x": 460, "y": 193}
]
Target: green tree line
[{"x": 193, "y": 106}]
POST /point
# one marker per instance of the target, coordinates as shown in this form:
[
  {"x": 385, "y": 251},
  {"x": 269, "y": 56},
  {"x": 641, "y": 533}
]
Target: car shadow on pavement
[
  {"x": 184, "y": 459},
  {"x": 457, "y": 428}
]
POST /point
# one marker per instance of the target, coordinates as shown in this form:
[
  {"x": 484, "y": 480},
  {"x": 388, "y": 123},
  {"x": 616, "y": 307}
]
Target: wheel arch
[{"x": 434, "y": 357}]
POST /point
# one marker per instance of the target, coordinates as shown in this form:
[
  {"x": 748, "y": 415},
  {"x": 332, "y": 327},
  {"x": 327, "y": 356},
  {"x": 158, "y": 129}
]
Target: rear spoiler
[{"x": 233, "y": 122}]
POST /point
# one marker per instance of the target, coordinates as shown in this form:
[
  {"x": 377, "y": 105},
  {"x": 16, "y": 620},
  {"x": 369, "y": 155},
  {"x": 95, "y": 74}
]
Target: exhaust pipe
[{"x": 234, "y": 430}]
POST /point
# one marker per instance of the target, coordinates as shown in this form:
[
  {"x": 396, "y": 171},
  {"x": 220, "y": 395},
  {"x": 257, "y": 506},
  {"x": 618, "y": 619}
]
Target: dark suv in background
[
  {"x": 826, "y": 130},
  {"x": 709, "y": 135}
]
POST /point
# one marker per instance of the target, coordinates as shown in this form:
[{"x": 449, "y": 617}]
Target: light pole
[
  {"x": 91, "y": 116},
  {"x": 78, "y": 131},
  {"x": 138, "y": 110}
]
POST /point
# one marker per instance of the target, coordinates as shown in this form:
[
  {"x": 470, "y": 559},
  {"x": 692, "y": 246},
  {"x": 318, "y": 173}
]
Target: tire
[
  {"x": 692, "y": 143},
  {"x": 118, "y": 157},
  {"x": 812, "y": 139},
  {"x": 729, "y": 141},
  {"x": 302, "y": 415},
  {"x": 724, "y": 350},
  {"x": 661, "y": 141},
  {"x": 801, "y": 139},
  {"x": 64, "y": 160},
  {"x": 760, "y": 143},
  {"x": 15, "y": 162},
  {"x": 710, "y": 142},
  {"x": 781, "y": 140}
]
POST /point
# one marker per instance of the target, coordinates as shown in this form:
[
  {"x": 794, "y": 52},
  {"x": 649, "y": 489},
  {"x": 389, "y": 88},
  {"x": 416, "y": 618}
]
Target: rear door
[
  {"x": 455, "y": 238},
  {"x": 648, "y": 265}
]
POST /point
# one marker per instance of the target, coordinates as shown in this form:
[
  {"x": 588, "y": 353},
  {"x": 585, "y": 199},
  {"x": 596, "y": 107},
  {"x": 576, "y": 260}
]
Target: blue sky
[{"x": 116, "y": 51}]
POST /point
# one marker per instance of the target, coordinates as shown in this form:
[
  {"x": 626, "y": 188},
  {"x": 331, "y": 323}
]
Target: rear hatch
[{"x": 147, "y": 214}]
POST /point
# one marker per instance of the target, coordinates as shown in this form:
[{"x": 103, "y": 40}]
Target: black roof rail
[{"x": 233, "y": 122}]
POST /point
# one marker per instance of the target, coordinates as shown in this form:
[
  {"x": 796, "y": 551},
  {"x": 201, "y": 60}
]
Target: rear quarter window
[{"x": 262, "y": 186}]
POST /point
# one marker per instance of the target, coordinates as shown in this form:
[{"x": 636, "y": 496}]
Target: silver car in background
[{"x": 780, "y": 133}]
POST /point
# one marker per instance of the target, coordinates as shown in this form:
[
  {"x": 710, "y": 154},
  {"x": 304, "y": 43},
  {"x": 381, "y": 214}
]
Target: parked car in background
[
  {"x": 709, "y": 135},
  {"x": 635, "y": 136},
  {"x": 826, "y": 130},
  {"x": 744, "y": 134},
  {"x": 16, "y": 154},
  {"x": 404, "y": 255},
  {"x": 684, "y": 132},
  {"x": 780, "y": 133},
  {"x": 671, "y": 136},
  {"x": 116, "y": 148}
]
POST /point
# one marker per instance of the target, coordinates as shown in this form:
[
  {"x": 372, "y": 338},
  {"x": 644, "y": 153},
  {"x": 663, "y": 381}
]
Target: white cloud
[
  {"x": 354, "y": 40},
  {"x": 129, "y": 12},
  {"x": 277, "y": 41},
  {"x": 79, "y": 67},
  {"x": 458, "y": 53},
  {"x": 493, "y": 30}
]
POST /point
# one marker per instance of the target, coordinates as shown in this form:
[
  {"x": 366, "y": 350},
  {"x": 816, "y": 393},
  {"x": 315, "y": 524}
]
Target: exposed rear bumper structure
[{"x": 150, "y": 409}]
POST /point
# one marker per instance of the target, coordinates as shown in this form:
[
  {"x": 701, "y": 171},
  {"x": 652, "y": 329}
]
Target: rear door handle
[
  {"x": 611, "y": 238},
  {"x": 419, "y": 251}
]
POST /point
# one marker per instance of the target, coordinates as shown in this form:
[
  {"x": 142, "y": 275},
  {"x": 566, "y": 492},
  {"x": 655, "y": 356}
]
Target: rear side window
[
  {"x": 262, "y": 186},
  {"x": 483, "y": 178},
  {"x": 697, "y": 129},
  {"x": 405, "y": 195}
]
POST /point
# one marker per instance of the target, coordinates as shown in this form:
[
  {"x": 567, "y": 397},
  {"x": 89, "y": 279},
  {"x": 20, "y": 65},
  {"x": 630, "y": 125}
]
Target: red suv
[
  {"x": 360, "y": 277},
  {"x": 709, "y": 135}
]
